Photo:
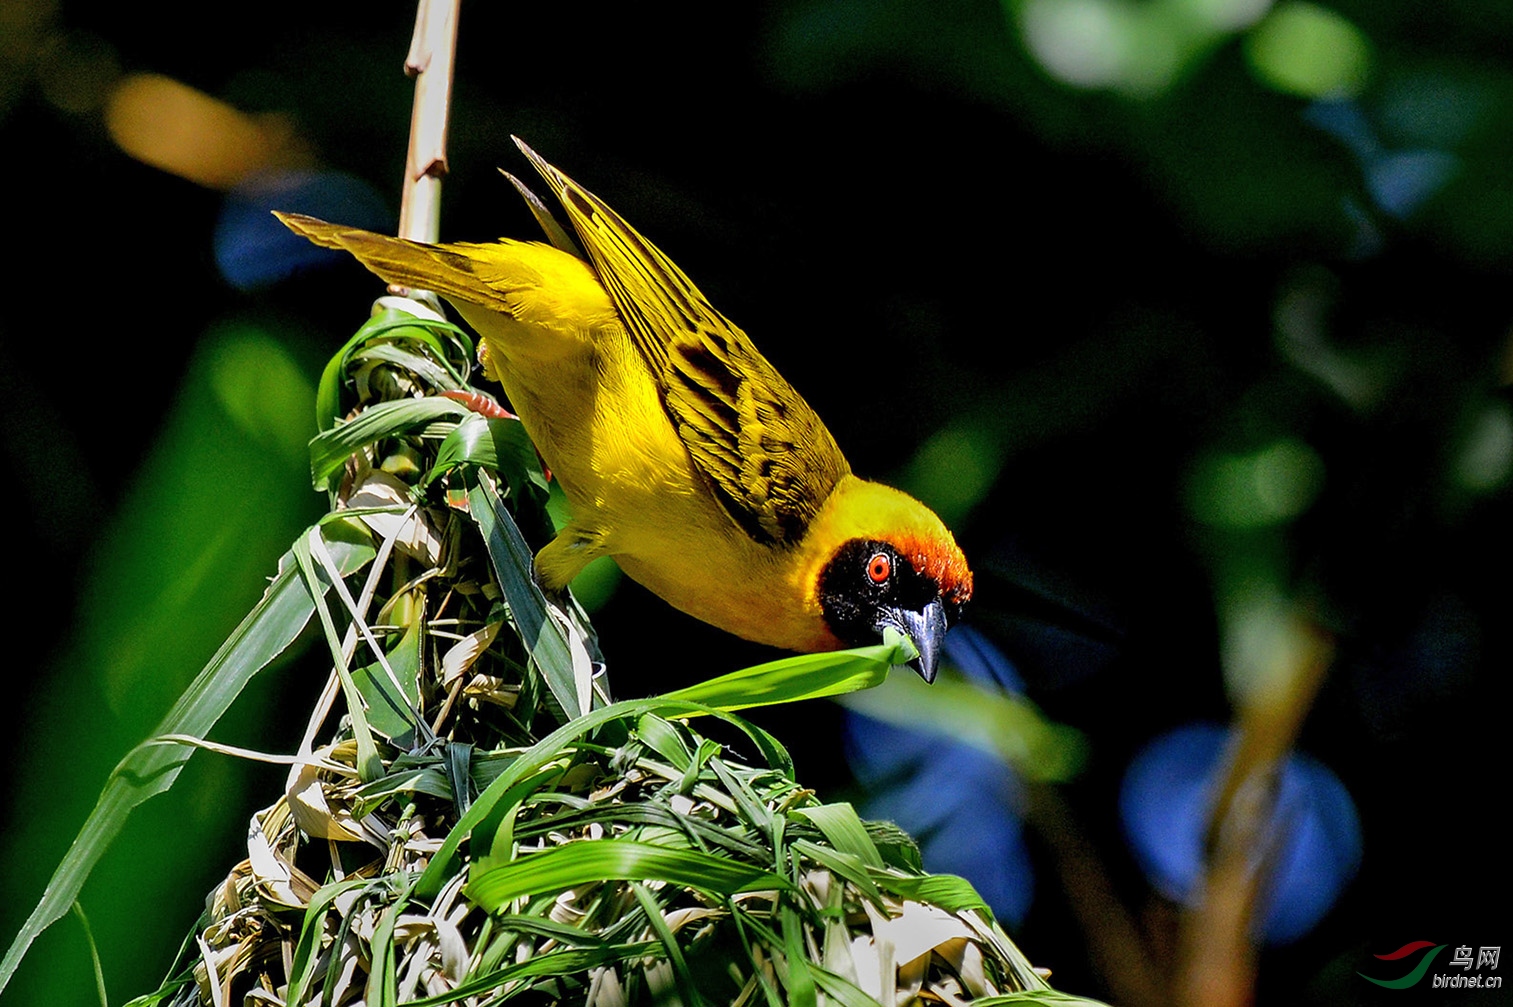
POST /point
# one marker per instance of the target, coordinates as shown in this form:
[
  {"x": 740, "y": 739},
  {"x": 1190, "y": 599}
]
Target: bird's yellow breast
[{"x": 593, "y": 410}]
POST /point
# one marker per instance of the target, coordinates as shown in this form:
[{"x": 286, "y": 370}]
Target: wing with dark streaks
[{"x": 766, "y": 453}]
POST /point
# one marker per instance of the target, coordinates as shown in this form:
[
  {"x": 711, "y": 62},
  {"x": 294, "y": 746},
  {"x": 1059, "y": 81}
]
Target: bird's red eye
[{"x": 879, "y": 568}]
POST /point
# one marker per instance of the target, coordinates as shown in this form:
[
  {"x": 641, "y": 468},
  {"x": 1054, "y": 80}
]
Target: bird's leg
[{"x": 566, "y": 555}]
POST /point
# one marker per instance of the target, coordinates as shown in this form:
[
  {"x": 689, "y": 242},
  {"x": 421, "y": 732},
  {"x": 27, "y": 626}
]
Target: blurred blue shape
[
  {"x": 976, "y": 657},
  {"x": 1402, "y": 181},
  {"x": 960, "y": 804},
  {"x": 1398, "y": 181},
  {"x": 252, "y": 249},
  {"x": 1165, "y": 804},
  {"x": 1344, "y": 120}
]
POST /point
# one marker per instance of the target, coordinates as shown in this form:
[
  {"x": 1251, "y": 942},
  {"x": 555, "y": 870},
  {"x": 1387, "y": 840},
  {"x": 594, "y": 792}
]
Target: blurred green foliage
[{"x": 198, "y": 529}]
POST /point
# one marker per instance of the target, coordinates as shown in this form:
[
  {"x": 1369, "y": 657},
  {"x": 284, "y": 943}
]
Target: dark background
[{"x": 1053, "y": 311}]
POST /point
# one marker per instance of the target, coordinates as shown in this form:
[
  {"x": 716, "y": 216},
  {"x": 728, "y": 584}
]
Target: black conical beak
[{"x": 926, "y": 629}]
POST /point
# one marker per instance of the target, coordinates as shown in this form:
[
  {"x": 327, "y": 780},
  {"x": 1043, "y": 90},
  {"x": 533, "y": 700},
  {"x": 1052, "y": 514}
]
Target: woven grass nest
[{"x": 482, "y": 824}]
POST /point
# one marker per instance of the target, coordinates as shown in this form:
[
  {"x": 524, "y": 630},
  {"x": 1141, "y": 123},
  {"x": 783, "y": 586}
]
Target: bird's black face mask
[{"x": 868, "y": 586}]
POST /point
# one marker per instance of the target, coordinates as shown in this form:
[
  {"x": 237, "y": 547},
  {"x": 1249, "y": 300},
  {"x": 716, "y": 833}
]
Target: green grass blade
[
  {"x": 383, "y": 981},
  {"x": 496, "y": 802},
  {"x": 149, "y": 770},
  {"x": 500, "y": 446},
  {"x": 766, "y": 822},
  {"x": 1037, "y": 998},
  {"x": 796, "y": 975},
  {"x": 1003, "y": 725},
  {"x": 430, "y": 781},
  {"x": 555, "y": 963},
  {"x": 544, "y": 926},
  {"x": 318, "y": 580},
  {"x": 662, "y": 737},
  {"x": 392, "y": 325},
  {"x": 168, "y": 993},
  {"x": 706, "y": 752},
  {"x": 94, "y": 955},
  {"x": 843, "y": 864},
  {"x": 423, "y": 367},
  {"x": 552, "y": 747},
  {"x": 803, "y": 676},
  {"x": 686, "y": 988},
  {"x": 544, "y": 637},
  {"x": 458, "y": 766},
  {"x": 452, "y": 346},
  {"x": 594, "y": 860},
  {"x": 741, "y": 922},
  {"x": 393, "y": 715},
  {"x": 950, "y": 892},
  {"x": 307, "y": 947},
  {"x": 330, "y": 449},
  {"x": 845, "y": 831},
  {"x": 895, "y": 846}
]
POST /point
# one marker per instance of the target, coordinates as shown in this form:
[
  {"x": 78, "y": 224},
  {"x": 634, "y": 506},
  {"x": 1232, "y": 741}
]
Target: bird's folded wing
[
  {"x": 765, "y": 452},
  {"x": 525, "y": 280}
]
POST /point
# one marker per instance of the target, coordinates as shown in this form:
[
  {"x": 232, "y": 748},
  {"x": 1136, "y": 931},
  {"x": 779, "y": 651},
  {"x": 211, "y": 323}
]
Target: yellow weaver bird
[{"x": 683, "y": 453}]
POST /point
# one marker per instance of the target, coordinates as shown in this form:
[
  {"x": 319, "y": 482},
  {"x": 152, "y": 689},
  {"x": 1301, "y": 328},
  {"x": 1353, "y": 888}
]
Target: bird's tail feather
[
  {"x": 403, "y": 262},
  {"x": 555, "y": 232}
]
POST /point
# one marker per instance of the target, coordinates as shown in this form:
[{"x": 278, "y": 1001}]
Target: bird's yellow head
[{"x": 883, "y": 559}]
